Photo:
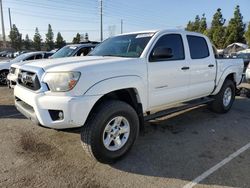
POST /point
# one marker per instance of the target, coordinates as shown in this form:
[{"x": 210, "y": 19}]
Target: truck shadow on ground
[
  {"x": 186, "y": 145},
  {"x": 10, "y": 111}
]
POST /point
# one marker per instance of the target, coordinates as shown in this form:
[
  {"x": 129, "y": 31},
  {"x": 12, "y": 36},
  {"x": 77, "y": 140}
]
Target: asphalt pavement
[{"x": 172, "y": 152}]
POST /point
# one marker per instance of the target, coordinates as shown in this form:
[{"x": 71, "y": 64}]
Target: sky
[{"x": 83, "y": 16}]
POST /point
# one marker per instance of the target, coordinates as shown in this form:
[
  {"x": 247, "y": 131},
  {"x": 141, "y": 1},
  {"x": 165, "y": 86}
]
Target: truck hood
[{"x": 73, "y": 63}]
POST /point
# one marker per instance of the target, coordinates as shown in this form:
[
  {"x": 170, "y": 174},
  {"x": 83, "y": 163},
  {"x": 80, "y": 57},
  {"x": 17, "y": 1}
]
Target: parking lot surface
[{"x": 169, "y": 153}]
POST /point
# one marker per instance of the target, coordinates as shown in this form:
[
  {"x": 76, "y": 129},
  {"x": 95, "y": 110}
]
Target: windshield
[
  {"x": 19, "y": 58},
  {"x": 131, "y": 45},
  {"x": 66, "y": 51}
]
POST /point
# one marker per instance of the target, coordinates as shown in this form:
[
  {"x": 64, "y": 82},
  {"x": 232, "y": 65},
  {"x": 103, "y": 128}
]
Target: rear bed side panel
[{"x": 225, "y": 68}]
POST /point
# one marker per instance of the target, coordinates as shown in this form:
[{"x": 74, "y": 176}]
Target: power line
[
  {"x": 38, "y": 13},
  {"x": 60, "y": 8},
  {"x": 51, "y": 17},
  {"x": 63, "y": 30},
  {"x": 62, "y": 14}
]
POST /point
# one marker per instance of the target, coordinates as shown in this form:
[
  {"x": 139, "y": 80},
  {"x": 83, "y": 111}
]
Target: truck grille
[
  {"x": 12, "y": 70},
  {"x": 28, "y": 80}
]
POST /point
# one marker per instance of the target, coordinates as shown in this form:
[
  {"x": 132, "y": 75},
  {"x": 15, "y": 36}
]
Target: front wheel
[
  {"x": 223, "y": 101},
  {"x": 110, "y": 131}
]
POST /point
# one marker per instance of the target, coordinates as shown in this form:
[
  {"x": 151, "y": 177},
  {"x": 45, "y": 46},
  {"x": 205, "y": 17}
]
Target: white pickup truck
[{"x": 124, "y": 81}]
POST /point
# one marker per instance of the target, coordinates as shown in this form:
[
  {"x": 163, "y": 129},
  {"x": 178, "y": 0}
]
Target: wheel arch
[
  {"x": 128, "y": 95},
  {"x": 4, "y": 70},
  {"x": 229, "y": 76}
]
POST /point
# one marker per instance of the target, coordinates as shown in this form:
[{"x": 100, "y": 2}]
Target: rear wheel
[
  {"x": 3, "y": 77},
  {"x": 225, "y": 98},
  {"x": 110, "y": 131}
]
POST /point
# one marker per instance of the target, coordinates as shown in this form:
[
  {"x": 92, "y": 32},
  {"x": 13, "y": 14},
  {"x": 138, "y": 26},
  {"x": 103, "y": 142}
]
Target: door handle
[
  {"x": 210, "y": 65},
  {"x": 184, "y": 68}
]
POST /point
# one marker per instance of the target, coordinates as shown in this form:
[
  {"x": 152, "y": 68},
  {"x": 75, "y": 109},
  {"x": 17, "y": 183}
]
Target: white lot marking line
[
  {"x": 216, "y": 167},
  {"x": 11, "y": 115}
]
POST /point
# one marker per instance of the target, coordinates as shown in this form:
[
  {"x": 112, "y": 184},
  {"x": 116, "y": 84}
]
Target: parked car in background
[
  {"x": 74, "y": 50},
  {"x": 66, "y": 51},
  {"x": 54, "y": 50},
  {"x": 3, "y": 53},
  {"x": 10, "y": 55},
  {"x": 5, "y": 65},
  {"x": 246, "y": 59},
  {"x": 15, "y": 54}
]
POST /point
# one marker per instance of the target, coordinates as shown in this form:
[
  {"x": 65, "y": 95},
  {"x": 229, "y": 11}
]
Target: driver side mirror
[{"x": 161, "y": 53}]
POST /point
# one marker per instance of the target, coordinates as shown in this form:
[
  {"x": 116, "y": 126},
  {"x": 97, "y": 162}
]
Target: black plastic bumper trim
[{"x": 26, "y": 110}]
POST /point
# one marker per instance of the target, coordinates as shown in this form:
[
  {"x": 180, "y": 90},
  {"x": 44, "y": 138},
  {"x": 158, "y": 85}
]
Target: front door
[{"x": 168, "y": 76}]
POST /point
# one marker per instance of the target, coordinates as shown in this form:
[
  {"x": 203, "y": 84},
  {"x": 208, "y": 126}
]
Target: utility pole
[
  {"x": 121, "y": 26},
  {"x": 10, "y": 19},
  {"x": 3, "y": 30},
  {"x": 101, "y": 13}
]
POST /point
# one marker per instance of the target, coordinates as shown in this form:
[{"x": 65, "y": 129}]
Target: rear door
[
  {"x": 202, "y": 67},
  {"x": 168, "y": 77}
]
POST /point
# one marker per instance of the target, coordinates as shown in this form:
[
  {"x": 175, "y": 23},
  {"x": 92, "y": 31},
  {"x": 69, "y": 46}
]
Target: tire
[
  {"x": 223, "y": 101},
  {"x": 3, "y": 77},
  {"x": 99, "y": 135}
]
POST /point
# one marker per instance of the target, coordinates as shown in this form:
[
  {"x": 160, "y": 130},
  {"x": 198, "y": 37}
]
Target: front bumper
[{"x": 36, "y": 106}]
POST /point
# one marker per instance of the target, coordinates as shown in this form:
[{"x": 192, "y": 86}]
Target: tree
[
  {"x": 199, "y": 24},
  {"x": 27, "y": 42},
  {"x": 247, "y": 34},
  {"x": 236, "y": 28},
  {"x": 217, "y": 30},
  {"x": 59, "y": 41},
  {"x": 196, "y": 24},
  {"x": 49, "y": 41},
  {"x": 77, "y": 39},
  {"x": 190, "y": 26},
  {"x": 37, "y": 40},
  {"x": 15, "y": 38},
  {"x": 203, "y": 24}
]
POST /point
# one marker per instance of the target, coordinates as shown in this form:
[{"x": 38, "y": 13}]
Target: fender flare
[
  {"x": 228, "y": 71},
  {"x": 111, "y": 84}
]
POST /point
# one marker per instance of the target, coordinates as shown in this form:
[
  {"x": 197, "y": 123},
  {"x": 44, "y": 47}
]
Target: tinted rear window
[{"x": 198, "y": 47}]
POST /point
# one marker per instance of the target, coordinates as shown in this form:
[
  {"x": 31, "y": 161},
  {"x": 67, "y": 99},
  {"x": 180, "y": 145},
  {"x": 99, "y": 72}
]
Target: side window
[
  {"x": 87, "y": 50},
  {"x": 198, "y": 47},
  {"x": 47, "y": 55},
  {"x": 82, "y": 52},
  {"x": 172, "y": 44},
  {"x": 30, "y": 58},
  {"x": 39, "y": 56}
]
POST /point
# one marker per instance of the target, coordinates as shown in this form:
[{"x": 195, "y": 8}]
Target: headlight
[{"x": 61, "y": 81}]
